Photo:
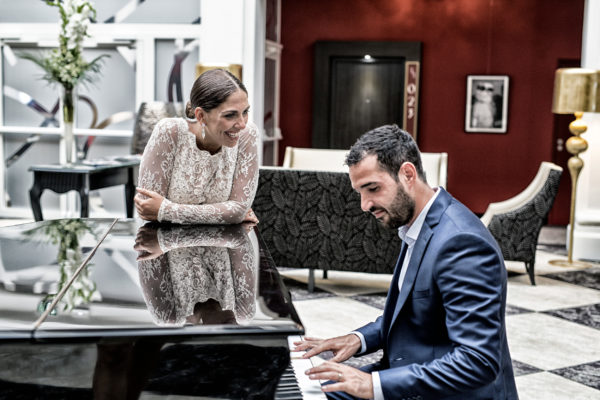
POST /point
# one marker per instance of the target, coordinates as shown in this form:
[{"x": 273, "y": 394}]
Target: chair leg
[
  {"x": 311, "y": 280},
  {"x": 529, "y": 268}
]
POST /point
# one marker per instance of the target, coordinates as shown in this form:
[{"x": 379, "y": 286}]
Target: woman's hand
[
  {"x": 146, "y": 243},
  {"x": 148, "y": 204},
  {"x": 250, "y": 217}
]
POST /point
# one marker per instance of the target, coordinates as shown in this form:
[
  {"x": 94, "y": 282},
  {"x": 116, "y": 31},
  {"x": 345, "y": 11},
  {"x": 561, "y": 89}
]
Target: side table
[{"x": 83, "y": 177}]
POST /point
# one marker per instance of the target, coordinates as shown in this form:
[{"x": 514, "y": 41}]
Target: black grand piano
[{"x": 121, "y": 309}]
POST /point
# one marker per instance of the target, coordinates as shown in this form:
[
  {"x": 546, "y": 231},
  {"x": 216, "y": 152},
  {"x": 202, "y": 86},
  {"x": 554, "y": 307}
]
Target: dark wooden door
[
  {"x": 559, "y": 214},
  {"x": 358, "y": 86},
  {"x": 364, "y": 95}
]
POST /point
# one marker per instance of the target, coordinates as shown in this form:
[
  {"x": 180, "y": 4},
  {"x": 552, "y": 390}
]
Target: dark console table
[{"x": 83, "y": 177}]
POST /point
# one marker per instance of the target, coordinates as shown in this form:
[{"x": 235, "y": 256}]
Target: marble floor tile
[
  {"x": 358, "y": 362},
  {"x": 374, "y": 300},
  {"x": 548, "y": 294},
  {"x": 334, "y": 316},
  {"x": 512, "y": 310},
  {"x": 589, "y": 277},
  {"x": 558, "y": 249},
  {"x": 299, "y": 290},
  {"x": 520, "y": 368},
  {"x": 585, "y": 315},
  {"x": 545, "y": 385},
  {"x": 343, "y": 283},
  {"x": 542, "y": 263},
  {"x": 547, "y": 342},
  {"x": 587, "y": 374}
]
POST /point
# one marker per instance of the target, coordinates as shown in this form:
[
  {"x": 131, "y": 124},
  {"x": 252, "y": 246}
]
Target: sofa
[{"x": 313, "y": 219}]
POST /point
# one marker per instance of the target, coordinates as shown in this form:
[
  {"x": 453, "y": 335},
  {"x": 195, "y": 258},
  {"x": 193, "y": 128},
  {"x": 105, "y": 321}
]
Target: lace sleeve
[
  {"x": 233, "y": 210},
  {"x": 229, "y": 236},
  {"x": 159, "y": 155}
]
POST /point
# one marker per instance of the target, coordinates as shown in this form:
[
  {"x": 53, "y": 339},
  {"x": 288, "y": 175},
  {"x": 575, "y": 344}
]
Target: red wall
[{"x": 522, "y": 39}]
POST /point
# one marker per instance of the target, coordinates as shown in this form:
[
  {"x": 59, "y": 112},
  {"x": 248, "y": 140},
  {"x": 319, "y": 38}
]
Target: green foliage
[
  {"x": 66, "y": 233},
  {"x": 65, "y": 65}
]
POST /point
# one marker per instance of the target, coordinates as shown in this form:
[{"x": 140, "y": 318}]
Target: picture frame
[{"x": 487, "y": 103}]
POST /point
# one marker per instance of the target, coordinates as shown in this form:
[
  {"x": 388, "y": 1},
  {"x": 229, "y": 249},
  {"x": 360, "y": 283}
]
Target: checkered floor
[{"x": 553, "y": 328}]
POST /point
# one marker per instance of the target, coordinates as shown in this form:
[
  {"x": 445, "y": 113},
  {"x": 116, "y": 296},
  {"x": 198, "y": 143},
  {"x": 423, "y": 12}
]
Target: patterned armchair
[
  {"x": 313, "y": 219},
  {"x": 516, "y": 223}
]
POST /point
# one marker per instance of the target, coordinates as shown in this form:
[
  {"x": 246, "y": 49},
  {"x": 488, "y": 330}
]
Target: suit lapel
[
  {"x": 412, "y": 268},
  {"x": 392, "y": 296},
  {"x": 431, "y": 220}
]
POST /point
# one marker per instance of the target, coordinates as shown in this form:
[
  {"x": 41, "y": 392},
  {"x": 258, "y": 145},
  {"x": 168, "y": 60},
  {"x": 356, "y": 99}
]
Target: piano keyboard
[{"x": 294, "y": 383}]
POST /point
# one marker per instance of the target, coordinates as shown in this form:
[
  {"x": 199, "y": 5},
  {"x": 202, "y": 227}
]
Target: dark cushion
[{"x": 147, "y": 117}]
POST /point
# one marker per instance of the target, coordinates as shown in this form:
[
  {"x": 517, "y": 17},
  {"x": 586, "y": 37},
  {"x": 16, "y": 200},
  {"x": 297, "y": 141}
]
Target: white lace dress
[
  {"x": 199, "y": 187},
  {"x": 199, "y": 264}
]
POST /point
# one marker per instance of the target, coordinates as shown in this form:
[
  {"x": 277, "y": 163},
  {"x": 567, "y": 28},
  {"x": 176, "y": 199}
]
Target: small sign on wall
[
  {"x": 411, "y": 94},
  {"x": 487, "y": 103}
]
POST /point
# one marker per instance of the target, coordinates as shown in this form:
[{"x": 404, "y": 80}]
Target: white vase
[{"x": 68, "y": 102}]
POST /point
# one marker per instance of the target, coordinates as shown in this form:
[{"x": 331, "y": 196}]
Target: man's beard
[{"x": 401, "y": 211}]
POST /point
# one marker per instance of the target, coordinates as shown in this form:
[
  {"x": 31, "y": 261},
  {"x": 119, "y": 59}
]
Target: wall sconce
[{"x": 576, "y": 90}]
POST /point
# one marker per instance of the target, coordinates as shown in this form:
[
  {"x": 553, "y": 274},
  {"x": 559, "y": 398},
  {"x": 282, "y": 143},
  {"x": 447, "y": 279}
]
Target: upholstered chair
[
  {"x": 434, "y": 164},
  {"x": 315, "y": 159},
  {"x": 516, "y": 223},
  {"x": 147, "y": 117}
]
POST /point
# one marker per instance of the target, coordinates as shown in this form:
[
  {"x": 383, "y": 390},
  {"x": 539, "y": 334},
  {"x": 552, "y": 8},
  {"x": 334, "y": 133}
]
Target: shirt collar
[{"x": 410, "y": 233}]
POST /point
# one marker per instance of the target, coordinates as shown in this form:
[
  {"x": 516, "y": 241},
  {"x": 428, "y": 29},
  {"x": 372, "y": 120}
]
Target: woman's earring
[{"x": 203, "y": 131}]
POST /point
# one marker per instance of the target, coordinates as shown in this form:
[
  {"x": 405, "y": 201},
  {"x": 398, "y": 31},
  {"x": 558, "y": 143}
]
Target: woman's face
[{"x": 224, "y": 123}]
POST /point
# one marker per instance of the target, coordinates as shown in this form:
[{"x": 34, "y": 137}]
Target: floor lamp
[{"x": 576, "y": 90}]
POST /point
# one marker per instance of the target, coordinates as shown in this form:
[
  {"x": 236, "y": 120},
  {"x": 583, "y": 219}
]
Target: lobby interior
[{"x": 553, "y": 327}]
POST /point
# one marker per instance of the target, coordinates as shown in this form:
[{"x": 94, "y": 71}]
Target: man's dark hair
[{"x": 392, "y": 146}]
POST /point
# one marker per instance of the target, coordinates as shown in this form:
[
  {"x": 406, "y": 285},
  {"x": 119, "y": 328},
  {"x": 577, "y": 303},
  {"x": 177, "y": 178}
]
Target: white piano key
[{"x": 311, "y": 389}]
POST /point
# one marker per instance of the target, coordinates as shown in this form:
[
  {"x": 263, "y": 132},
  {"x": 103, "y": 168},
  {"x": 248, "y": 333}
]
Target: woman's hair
[
  {"x": 211, "y": 89},
  {"x": 392, "y": 146}
]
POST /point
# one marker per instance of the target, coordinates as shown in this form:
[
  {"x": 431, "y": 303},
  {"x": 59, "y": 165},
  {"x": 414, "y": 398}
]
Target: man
[{"x": 442, "y": 330}]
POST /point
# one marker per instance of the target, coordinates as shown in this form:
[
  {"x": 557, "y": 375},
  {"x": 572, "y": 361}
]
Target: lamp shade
[{"x": 576, "y": 90}]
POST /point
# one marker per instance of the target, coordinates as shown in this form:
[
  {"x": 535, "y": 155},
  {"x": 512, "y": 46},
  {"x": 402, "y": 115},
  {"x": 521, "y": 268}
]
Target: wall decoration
[{"x": 487, "y": 103}]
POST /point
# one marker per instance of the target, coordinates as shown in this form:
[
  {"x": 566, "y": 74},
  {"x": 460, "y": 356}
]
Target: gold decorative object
[
  {"x": 235, "y": 69},
  {"x": 576, "y": 90}
]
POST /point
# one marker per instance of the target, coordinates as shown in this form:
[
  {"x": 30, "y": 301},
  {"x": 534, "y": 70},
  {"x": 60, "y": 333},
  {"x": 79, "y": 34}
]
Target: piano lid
[{"x": 142, "y": 280}]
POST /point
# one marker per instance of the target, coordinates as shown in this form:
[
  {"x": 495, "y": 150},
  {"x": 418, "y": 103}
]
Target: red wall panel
[{"x": 523, "y": 39}]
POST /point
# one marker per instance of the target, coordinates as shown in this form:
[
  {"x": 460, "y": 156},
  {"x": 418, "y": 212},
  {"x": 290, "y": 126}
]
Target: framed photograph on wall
[{"x": 487, "y": 103}]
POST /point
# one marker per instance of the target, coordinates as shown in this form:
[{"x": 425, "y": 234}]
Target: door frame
[{"x": 327, "y": 51}]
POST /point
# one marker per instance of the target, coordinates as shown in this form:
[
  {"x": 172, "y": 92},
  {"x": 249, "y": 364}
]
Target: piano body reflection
[{"x": 191, "y": 312}]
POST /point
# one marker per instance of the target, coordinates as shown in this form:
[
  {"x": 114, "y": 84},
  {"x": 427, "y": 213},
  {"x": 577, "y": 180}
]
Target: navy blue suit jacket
[{"x": 444, "y": 334}]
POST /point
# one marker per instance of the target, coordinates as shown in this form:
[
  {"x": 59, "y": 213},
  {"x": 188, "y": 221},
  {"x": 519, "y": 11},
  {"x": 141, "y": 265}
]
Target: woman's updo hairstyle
[{"x": 211, "y": 89}]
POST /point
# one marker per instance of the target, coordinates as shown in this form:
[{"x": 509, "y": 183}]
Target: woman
[
  {"x": 202, "y": 169},
  {"x": 200, "y": 274}
]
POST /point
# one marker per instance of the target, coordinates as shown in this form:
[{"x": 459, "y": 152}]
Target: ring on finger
[{"x": 340, "y": 376}]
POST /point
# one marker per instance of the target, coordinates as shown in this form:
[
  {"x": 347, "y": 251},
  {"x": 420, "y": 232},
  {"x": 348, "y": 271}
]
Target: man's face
[{"x": 381, "y": 194}]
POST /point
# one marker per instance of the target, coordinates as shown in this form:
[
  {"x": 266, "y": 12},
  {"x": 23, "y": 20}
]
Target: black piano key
[{"x": 288, "y": 388}]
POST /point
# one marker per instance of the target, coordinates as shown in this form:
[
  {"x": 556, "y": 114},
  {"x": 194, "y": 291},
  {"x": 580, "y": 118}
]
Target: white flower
[{"x": 66, "y": 64}]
